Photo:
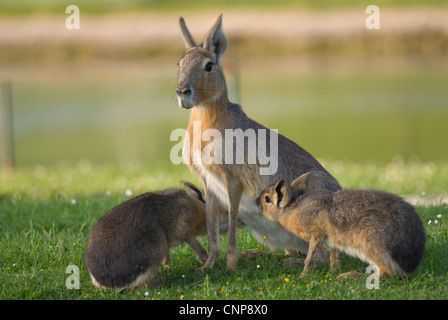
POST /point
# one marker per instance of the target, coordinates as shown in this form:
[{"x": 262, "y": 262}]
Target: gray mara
[
  {"x": 128, "y": 244},
  {"x": 375, "y": 226}
]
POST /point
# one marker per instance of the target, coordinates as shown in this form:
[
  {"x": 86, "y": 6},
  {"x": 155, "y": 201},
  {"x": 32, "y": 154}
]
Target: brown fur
[
  {"x": 236, "y": 186},
  {"x": 375, "y": 226},
  {"x": 128, "y": 244}
]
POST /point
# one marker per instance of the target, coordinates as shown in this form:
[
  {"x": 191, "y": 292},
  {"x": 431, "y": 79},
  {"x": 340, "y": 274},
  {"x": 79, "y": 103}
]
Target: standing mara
[{"x": 236, "y": 185}]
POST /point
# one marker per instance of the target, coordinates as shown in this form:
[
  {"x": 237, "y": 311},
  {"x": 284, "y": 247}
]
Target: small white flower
[
  {"x": 108, "y": 193},
  {"x": 73, "y": 201},
  {"x": 436, "y": 221},
  {"x": 146, "y": 293},
  {"x": 128, "y": 192},
  {"x": 439, "y": 216},
  {"x": 183, "y": 276},
  {"x": 429, "y": 222},
  {"x": 13, "y": 264},
  {"x": 258, "y": 266}
]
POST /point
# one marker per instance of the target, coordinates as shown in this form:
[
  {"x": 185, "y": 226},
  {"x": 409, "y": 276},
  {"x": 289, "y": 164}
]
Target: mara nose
[{"x": 183, "y": 92}]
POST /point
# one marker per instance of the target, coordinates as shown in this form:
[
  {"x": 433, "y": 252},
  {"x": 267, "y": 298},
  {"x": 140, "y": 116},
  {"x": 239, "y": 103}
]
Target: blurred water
[{"x": 122, "y": 117}]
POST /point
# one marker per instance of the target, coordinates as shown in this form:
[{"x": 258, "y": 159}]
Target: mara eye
[
  {"x": 266, "y": 198},
  {"x": 209, "y": 66}
]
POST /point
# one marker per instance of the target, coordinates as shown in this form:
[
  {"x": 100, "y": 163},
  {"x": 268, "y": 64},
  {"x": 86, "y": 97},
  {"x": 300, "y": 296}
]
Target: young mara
[
  {"x": 128, "y": 244},
  {"x": 377, "y": 227}
]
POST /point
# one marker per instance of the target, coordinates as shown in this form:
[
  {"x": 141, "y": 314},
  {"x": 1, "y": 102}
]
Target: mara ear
[
  {"x": 194, "y": 191},
  {"x": 215, "y": 41},
  {"x": 299, "y": 184},
  {"x": 186, "y": 35},
  {"x": 283, "y": 192}
]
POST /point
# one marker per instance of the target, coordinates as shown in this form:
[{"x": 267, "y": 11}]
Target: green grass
[
  {"x": 46, "y": 214},
  {"x": 106, "y": 6}
]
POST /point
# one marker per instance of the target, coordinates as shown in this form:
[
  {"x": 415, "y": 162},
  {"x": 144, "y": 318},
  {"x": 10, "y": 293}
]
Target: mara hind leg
[
  {"x": 155, "y": 283},
  {"x": 386, "y": 270},
  {"x": 383, "y": 268},
  {"x": 147, "y": 279},
  {"x": 350, "y": 275},
  {"x": 382, "y": 271},
  {"x": 386, "y": 266}
]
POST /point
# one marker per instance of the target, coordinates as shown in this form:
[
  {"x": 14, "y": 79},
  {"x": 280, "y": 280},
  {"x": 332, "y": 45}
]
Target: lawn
[
  {"x": 46, "y": 214},
  {"x": 101, "y": 7}
]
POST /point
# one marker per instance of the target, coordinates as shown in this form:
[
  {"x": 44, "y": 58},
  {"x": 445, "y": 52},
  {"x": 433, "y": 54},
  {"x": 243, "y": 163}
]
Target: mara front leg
[
  {"x": 314, "y": 244},
  {"x": 234, "y": 191},
  {"x": 199, "y": 251},
  {"x": 212, "y": 221}
]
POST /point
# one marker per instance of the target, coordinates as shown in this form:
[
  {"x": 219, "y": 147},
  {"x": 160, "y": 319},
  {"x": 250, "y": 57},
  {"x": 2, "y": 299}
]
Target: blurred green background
[{"x": 311, "y": 69}]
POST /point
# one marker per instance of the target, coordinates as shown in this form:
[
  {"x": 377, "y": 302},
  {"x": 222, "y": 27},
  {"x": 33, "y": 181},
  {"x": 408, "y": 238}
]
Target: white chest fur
[{"x": 264, "y": 230}]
